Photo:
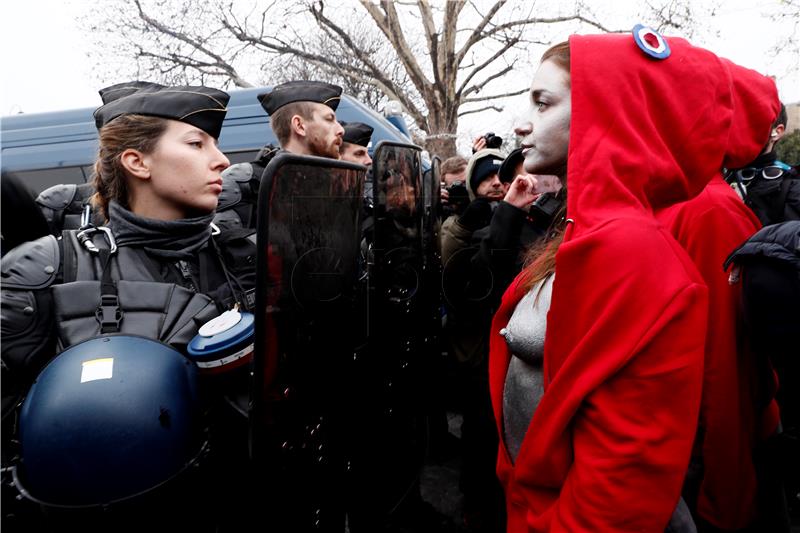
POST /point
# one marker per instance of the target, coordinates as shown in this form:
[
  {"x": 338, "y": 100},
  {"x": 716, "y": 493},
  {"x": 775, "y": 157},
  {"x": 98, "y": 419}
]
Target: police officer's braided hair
[{"x": 137, "y": 132}]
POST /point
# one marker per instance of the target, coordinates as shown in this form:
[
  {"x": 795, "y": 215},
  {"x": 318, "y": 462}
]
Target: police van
[{"x": 46, "y": 149}]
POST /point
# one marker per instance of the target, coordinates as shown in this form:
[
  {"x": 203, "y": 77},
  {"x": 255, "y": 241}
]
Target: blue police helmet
[{"x": 109, "y": 419}]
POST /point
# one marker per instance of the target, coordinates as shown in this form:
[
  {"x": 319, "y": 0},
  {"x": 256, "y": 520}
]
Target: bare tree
[
  {"x": 441, "y": 62},
  {"x": 322, "y": 44},
  {"x": 788, "y": 12}
]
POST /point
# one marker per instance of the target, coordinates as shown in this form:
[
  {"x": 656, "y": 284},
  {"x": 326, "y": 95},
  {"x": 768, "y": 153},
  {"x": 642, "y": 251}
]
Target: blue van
[{"x": 46, "y": 149}]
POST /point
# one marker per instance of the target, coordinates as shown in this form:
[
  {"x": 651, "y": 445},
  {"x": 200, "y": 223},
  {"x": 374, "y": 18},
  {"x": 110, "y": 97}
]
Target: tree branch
[
  {"x": 221, "y": 63},
  {"x": 383, "y": 80},
  {"x": 477, "y": 87},
  {"x": 552, "y": 20},
  {"x": 432, "y": 37},
  {"x": 488, "y": 107},
  {"x": 507, "y": 46},
  {"x": 389, "y": 23},
  {"x": 477, "y": 33},
  {"x": 371, "y": 74},
  {"x": 494, "y": 96}
]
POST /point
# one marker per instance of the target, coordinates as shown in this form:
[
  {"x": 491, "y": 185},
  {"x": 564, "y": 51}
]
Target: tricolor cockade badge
[{"x": 651, "y": 42}]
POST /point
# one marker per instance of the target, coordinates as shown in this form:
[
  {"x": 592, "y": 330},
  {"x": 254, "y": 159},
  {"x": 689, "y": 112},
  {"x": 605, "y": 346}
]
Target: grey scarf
[{"x": 168, "y": 239}]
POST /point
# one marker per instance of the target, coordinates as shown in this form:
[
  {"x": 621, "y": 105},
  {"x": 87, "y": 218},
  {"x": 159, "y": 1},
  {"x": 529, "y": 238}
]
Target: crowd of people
[{"x": 618, "y": 297}]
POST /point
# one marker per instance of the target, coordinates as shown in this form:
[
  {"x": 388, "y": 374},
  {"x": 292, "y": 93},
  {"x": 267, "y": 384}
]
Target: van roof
[{"x": 69, "y": 138}]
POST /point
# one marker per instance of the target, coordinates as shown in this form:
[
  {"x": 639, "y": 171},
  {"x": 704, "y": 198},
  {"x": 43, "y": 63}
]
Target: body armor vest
[{"x": 143, "y": 304}]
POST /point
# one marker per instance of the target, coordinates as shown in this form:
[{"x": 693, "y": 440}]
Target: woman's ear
[{"x": 133, "y": 161}]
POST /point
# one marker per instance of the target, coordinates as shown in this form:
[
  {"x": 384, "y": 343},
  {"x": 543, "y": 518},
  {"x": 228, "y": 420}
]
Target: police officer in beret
[
  {"x": 303, "y": 117},
  {"x": 157, "y": 271},
  {"x": 65, "y": 206},
  {"x": 355, "y": 143}
]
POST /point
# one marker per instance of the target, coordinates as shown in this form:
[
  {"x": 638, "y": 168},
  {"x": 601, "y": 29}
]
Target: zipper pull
[{"x": 183, "y": 266}]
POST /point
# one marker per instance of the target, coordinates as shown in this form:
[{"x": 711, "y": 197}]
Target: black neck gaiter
[{"x": 169, "y": 239}]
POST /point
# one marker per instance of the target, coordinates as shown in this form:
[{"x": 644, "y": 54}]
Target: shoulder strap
[
  {"x": 109, "y": 313},
  {"x": 69, "y": 260},
  {"x": 79, "y": 263}
]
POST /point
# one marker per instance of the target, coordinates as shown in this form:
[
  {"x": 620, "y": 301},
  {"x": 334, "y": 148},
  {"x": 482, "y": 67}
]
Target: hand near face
[
  {"x": 444, "y": 196},
  {"x": 526, "y": 188}
]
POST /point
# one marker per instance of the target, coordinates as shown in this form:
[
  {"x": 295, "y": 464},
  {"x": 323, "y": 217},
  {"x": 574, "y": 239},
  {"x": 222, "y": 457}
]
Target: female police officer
[{"x": 157, "y": 271}]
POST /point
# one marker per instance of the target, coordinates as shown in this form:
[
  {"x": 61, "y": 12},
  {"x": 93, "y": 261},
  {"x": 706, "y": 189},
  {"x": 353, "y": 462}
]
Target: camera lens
[{"x": 493, "y": 141}]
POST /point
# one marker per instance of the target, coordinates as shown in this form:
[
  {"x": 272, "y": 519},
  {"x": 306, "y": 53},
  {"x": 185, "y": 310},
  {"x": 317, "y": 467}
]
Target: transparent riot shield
[
  {"x": 432, "y": 257},
  {"x": 389, "y": 447},
  {"x": 309, "y": 323},
  {"x": 435, "y": 361}
]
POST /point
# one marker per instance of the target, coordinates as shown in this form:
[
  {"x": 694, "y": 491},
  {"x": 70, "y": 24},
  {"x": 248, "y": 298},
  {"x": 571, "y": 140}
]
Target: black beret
[
  {"x": 357, "y": 133},
  {"x": 508, "y": 168},
  {"x": 115, "y": 92},
  {"x": 300, "y": 91},
  {"x": 199, "y": 106}
]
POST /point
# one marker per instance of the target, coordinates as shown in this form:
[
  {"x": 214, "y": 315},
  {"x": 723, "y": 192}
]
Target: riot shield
[
  {"x": 307, "y": 329},
  {"x": 432, "y": 257},
  {"x": 388, "y": 450}
]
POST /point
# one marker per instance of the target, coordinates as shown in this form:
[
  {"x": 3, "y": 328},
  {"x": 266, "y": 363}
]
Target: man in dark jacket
[
  {"x": 768, "y": 264},
  {"x": 771, "y": 188}
]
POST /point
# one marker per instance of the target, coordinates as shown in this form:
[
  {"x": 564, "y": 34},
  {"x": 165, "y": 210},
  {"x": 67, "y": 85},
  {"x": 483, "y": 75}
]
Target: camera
[
  {"x": 457, "y": 192},
  {"x": 458, "y": 197},
  {"x": 493, "y": 141},
  {"x": 545, "y": 208}
]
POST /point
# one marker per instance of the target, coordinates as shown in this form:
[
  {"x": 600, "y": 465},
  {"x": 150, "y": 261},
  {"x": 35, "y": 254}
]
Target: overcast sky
[{"x": 45, "y": 65}]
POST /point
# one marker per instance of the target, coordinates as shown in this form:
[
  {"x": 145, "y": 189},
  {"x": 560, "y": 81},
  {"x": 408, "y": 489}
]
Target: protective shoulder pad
[
  {"x": 240, "y": 172},
  {"x": 31, "y": 265},
  {"x": 231, "y": 193},
  {"x": 57, "y": 197}
]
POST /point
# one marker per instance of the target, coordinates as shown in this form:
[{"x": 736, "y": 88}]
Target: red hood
[
  {"x": 654, "y": 133},
  {"x": 626, "y": 328}
]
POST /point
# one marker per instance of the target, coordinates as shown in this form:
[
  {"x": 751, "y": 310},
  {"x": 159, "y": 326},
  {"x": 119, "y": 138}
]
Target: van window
[
  {"x": 39, "y": 180},
  {"x": 242, "y": 157}
]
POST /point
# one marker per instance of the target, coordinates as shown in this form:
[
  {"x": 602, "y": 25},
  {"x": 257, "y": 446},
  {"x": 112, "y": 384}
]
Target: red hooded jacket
[
  {"x": 609, "y": 443},
  {"x": 709, "y": 227}
]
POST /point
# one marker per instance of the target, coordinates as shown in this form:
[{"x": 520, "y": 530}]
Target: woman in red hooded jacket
[{"x": 597, "y": 350}]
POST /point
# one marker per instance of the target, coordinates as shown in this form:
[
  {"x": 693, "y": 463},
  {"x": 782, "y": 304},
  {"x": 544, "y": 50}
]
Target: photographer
[
  {"x": 454, "y": 194},
  {"x": 490, "y": 141},
  {"x": 484, "y": 189},
  {"x": 530, "y": 205}
]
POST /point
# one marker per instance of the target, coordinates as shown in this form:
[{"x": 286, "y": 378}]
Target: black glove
[{"x": 478, "y": 214}]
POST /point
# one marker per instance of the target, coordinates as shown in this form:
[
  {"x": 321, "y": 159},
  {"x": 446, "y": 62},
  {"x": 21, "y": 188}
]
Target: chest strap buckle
[{"x": 108, "y": 314}]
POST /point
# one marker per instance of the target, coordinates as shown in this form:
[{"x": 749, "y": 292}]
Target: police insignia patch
[{"x": 651, "y": 42}]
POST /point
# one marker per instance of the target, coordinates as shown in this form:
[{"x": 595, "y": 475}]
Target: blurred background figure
[{"x": 22, "y": 220}]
